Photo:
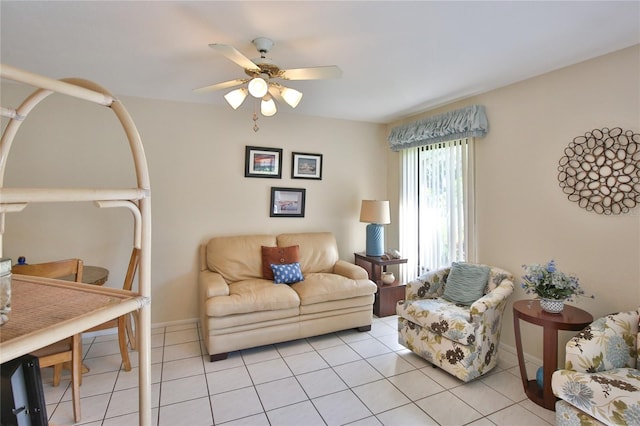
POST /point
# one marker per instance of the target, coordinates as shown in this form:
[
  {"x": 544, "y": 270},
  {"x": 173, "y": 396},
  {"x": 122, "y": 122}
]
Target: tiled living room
[
  {"x": 550, "y": 78},
  {"x": 339, "y": 378}
]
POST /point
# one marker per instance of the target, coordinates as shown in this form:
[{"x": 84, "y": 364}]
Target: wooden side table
[
  {"x": 96, "y": 275},
  {"x": 387, "y": 295},
  {"x": 571, "y": 318}
]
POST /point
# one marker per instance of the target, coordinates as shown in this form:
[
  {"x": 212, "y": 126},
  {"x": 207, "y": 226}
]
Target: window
[{"x": 437, "y": 211}]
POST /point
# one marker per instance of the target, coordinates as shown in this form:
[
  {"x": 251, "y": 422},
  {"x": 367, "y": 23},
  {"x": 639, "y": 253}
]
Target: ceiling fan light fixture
[
  {"x": 258, "y": 87},
  {"x": 291, "y": 96},
  {"x": 268, "y": 106},
  {"x": 261, "y": 80},
  {"x": 235, "y": 98}
]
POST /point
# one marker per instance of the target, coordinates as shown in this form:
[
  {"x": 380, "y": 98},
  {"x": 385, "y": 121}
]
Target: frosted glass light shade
[
  {"x": 291, "y": 96},
  {"x": 268, "y": 107},
  {"x": 258, "y": 87},
  {"x": 235, "y": 98}
]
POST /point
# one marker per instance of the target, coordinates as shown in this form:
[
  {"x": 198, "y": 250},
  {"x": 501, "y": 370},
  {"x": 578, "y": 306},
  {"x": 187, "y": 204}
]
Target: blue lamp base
[{"x": 375, "y": 239}]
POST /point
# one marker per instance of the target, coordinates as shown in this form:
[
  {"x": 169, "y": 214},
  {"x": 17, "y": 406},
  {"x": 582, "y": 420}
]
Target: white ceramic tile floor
[{"x": 360, "y": 379}]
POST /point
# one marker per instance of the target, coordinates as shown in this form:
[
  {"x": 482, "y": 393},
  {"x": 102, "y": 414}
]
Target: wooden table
[
  {"x": 96, "y": 275},
  {"x": 387, "y": 295},
  {"x": 571, "y": 318}
]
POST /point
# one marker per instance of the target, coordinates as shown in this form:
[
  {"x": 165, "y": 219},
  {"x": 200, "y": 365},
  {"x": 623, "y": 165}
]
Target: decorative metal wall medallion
[{"x": 601, "y": 171}]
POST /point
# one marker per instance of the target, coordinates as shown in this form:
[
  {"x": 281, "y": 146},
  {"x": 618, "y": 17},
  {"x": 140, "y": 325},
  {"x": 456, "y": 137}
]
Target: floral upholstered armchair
[
  {"x": 461, "y": 338},
  {"x": 601, "y": 379}
]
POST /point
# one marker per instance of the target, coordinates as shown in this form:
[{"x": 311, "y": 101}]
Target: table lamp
[{"x": 376, "y": 214}]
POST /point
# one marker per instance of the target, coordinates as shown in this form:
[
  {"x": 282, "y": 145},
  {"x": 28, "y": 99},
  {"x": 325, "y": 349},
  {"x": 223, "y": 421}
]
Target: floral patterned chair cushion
[
  {"x": 462, "y": 340},
  {"x": 601, "y": 379},
  {"x": 441, "y": 317}
]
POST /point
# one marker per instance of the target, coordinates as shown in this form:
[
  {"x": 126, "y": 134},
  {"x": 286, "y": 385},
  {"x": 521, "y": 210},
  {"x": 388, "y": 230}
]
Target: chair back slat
[
  {"x": 134, "y": 261},
  {"x": 56, "y": 269}
]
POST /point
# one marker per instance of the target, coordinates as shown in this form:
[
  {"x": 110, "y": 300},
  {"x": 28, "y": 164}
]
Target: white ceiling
[{"x": 397, "y": 57}]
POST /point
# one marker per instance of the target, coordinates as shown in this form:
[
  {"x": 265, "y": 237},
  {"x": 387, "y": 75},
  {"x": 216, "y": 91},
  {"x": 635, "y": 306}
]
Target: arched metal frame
[{"x": 138, "y": 199}]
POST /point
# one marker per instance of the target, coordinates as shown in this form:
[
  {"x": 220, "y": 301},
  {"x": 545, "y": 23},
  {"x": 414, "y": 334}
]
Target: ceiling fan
[{"x": 263, "y": 74}]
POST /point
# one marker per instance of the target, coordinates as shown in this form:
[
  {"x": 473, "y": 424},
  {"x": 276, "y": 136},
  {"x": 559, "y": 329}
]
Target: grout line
[{"x": 346, "y": 339}]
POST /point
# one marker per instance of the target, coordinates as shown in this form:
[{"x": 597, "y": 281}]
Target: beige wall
[
  {"x": 196, "y": 161},
  {"x": 522, "y": 215}
]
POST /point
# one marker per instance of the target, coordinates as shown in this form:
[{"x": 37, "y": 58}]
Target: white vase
[
  {"x": 553, "y": 306},
  {"x": 387, "y": 278}
]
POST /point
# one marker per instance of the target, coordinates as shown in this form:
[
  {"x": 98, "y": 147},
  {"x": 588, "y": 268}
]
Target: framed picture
[
  {"x": 262, "y": 162},
  {"x": 287, "y": 202},
  {"x": 306, "y": 166}
]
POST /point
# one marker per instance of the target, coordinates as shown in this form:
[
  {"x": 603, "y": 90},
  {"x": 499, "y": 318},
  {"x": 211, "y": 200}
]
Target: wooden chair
[
  {"x": 125, "y": 329},
  {"x": 67, "y": 350}
]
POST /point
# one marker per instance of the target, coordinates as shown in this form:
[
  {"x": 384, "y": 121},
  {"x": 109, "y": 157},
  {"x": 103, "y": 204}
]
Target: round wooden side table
[
  {"x": 571, "y": 318},
  {"x": 96, "y": 275}
]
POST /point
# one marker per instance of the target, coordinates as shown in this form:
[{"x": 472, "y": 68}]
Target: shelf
[{"x": 48, "y": 195}]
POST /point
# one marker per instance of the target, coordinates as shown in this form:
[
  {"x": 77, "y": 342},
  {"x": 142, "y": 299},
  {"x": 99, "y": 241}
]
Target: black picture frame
[
  {"x": 287, "y": 202},
  {"x": 261, "y": 162},
  {"x": 306, "y": 166}
]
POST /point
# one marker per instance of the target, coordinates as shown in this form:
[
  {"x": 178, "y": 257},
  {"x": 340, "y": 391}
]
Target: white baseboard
[
  {"x": 527, "y": 357},
  {"x": 503, "y": 346},
  {"x": 114, "y": 330},
  {"x": 174, "y": 323}
]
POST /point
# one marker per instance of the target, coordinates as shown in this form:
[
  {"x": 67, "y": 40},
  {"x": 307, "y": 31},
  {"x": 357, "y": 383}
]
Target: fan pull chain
[{"x": 255, "y": 116}]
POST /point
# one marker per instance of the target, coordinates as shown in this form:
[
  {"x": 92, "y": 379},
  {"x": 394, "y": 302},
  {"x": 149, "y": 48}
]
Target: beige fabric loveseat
[{"x": 240, "y": 309}]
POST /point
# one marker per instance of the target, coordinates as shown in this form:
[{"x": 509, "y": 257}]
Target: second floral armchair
[{"x": 600, "y": 383}]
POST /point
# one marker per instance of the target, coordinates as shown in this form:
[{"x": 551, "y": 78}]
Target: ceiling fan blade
[
  {"x": 223, "y": 85},
  {"x": 315, "y": 73},
  {"x": 234, "y": 54},
  {"x": 274, "y": 91}
]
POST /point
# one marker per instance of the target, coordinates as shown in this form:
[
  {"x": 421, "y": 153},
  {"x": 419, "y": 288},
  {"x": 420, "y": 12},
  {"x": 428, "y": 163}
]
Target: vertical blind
[
  {"x": 409, "y": 225},
  {"x": 437, "y": 205}
]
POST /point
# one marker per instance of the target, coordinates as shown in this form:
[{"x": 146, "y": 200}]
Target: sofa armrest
[
  {"x": 350, "y": 270},
  {"x": 427, "y": 286},
  {"x": 212, "y": 284},
  {"x": 493, "y": 299},
  {"x": 592, "y": 350}
]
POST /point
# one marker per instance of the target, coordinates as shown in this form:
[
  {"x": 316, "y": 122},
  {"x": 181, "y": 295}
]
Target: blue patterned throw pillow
[{"x": 288, "y": 273}]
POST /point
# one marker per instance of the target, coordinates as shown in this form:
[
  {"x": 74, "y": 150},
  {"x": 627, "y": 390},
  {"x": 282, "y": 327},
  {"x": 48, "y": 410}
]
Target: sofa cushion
[
  {"x": 322, "y": 287},
  {"x": 608, "y": 342},
  {"x": 612, "y": 396},
  {"x": 251, "y": 320},
  {"x": 288, "y": 273},
  {"x": 237, "y": 258},
  {"x": 441, "y": 317},
  {"x": 328, "y": 309},
  {"x": 466, "y": 283},
  {"x": 279, "y": 256},
  {"x": 318, "y": 250},
  {"x": 253, "y": 295}
]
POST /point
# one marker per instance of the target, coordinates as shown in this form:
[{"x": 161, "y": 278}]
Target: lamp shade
[{"x": 374, "y": 211}]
